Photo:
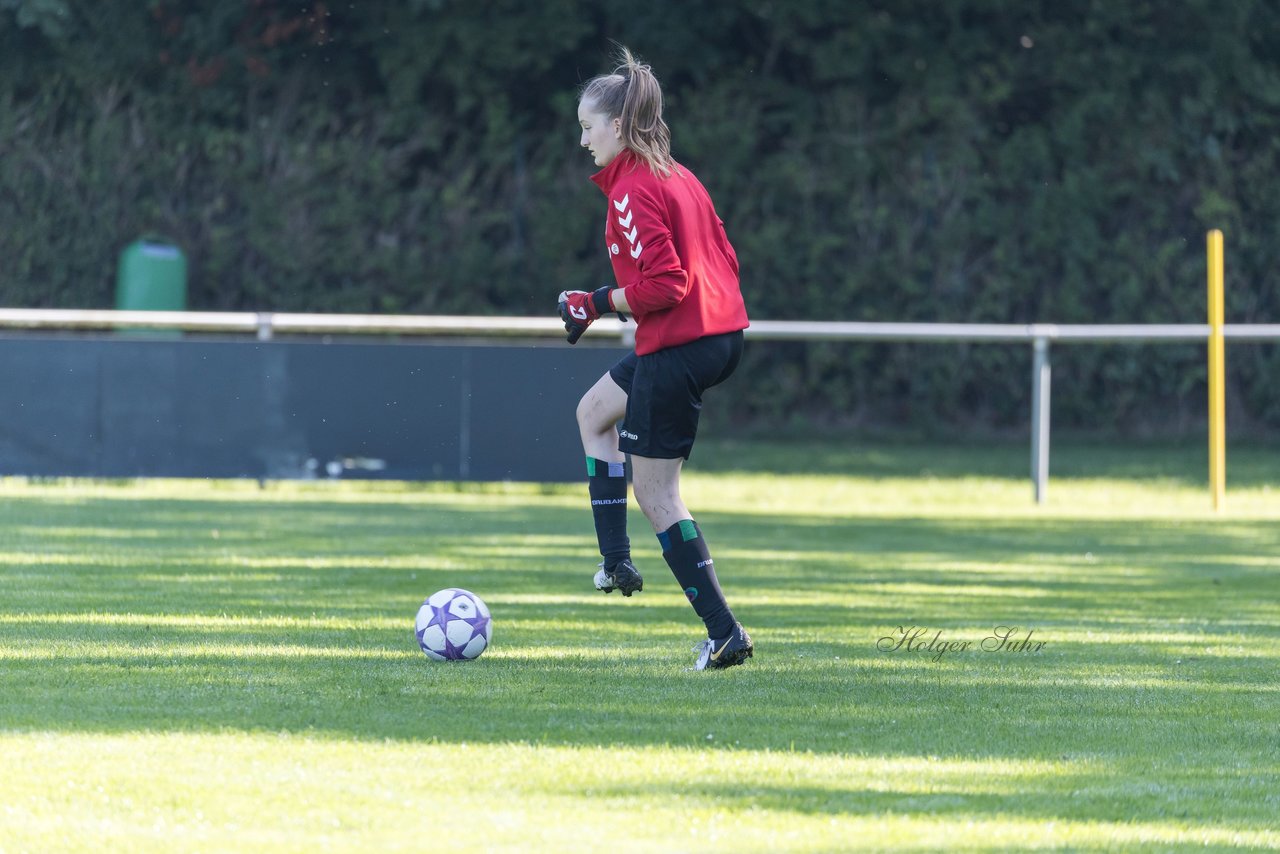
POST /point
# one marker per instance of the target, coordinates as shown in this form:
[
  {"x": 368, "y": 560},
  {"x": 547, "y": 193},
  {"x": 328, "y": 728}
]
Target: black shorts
[{"x": 664, "y": 393}]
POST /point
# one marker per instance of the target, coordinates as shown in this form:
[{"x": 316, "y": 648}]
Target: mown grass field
[{"x": 219, "y": 666}]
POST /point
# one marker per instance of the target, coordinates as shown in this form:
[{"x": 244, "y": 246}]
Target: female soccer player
[{"x": 677, "y": 276}]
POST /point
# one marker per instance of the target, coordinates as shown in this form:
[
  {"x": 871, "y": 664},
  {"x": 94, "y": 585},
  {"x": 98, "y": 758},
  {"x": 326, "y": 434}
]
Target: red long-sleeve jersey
[{"x": 670, "y": 251}]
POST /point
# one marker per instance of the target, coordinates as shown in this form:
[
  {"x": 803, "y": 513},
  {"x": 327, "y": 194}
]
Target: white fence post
[{"x": 1041, "y": 376}]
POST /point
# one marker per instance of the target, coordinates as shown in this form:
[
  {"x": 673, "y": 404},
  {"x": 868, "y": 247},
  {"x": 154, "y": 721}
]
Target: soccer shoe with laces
[
  {"x": 717, "y": 654},
  {"x": 623, "y": 576}
]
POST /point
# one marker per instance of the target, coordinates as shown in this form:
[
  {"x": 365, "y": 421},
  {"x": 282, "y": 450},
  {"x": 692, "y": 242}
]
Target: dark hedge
[{"x": 969, "y": 161}]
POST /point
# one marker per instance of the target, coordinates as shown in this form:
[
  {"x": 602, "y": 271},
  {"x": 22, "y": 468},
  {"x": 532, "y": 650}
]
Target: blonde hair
[{"x": 632, "y": 93}]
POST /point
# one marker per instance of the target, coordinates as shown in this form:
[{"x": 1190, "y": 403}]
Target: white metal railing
[{"x": 266, "y": 325}]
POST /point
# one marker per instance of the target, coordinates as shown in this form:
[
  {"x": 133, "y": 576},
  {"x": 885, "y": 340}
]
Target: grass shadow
[{"x": 1249, "y": 464}]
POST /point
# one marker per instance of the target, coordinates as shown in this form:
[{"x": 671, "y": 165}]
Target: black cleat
[
  {"x": 621, "y": 576},
  {"x": 718, "y": 654}
]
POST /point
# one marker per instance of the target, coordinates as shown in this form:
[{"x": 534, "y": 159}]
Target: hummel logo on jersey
[{"x": 625, "y": 222}]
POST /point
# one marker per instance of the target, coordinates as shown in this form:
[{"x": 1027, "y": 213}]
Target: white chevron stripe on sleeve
[
  {"x": 631, "y": 235},
  {"x": 622, "y": 203},
  {"x": 635, "y": 250},
  {"x": 625, "y": 222}
]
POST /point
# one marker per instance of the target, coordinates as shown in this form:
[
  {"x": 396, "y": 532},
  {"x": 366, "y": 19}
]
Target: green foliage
[
  {"x": 982, "y": 160},
  {"x": 49, "y": 17}
]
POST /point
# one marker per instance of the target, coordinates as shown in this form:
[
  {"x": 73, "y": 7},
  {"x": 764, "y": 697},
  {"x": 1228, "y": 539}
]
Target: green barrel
[{"x": 152, "y": 276}]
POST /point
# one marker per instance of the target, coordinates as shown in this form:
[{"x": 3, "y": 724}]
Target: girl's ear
[{"x": 617, "y": 128}]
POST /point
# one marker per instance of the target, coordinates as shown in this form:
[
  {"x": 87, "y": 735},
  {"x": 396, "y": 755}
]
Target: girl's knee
[
  {"x": 656, "y": 500},
  {"x": 588, "y": 415},
  {"x": 583, "y": 410},
  {"x": 594, "y": 415}
]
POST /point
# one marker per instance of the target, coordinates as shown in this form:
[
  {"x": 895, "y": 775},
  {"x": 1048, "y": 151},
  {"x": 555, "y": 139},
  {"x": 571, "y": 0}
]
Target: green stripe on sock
[
  {"x": 591, "y": 466},
  {"x": 688, "y": 531}
]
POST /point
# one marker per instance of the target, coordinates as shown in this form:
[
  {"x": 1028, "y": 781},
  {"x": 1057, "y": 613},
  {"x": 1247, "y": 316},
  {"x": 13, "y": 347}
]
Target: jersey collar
[{"x": 607, "y": 177}]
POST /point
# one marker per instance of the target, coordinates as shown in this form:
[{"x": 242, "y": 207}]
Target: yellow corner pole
[{"x": 1217, "y": 376}]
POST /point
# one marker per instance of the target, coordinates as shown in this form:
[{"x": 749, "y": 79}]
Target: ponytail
[{"x": 632, "y": 94}]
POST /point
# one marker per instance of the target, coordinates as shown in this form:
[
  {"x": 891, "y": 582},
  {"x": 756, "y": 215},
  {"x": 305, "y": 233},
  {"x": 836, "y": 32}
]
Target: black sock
[
  {"x": 607, "y": 483},
  {"x": 686, "y": 553}
]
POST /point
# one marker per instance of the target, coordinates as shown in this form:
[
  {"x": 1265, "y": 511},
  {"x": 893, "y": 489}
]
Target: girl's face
[{"x": 601, "y": 135}]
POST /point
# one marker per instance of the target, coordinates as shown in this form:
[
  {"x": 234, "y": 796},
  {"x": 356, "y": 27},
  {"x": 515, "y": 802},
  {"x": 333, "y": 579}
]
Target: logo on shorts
[{"x": 632, "y": 436}]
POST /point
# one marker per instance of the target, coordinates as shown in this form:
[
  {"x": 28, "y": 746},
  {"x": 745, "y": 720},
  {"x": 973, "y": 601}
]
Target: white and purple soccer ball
[{"x": 453, "y": 625}]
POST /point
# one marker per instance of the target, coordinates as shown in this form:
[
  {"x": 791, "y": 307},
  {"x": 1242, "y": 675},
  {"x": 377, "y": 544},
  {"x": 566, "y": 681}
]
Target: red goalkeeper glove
[{"x": 578, "y": 309}]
